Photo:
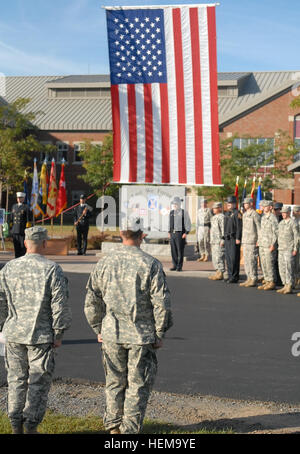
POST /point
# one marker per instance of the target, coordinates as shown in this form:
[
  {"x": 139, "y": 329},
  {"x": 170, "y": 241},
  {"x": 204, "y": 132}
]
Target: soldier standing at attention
[
  {"x": 277, "y": 211},
  {"x": 21, "y": 218},
  {"x": 288, "y": 241},
  {"x": 233, "y": 234},
  {"x": 34, "y": 313},
  {"x": 296, "y": 212},
  {"x": 267, "y": 242},
  {"x": 203, "y": 230},
  {"x": 217, "y": 242},
  {"x": 179, "y": 228},
  {"x": 128, "y": 306},
  {"x": 251, "y": 228},
  {"x": 82, "y": 213}
]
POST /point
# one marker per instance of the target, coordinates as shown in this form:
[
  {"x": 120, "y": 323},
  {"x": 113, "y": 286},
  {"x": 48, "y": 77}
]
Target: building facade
[{"x": 74, "y": 108}]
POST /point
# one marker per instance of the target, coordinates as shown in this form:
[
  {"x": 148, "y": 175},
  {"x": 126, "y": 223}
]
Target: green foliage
[
  {"x": 295, "y": 103},
  {"x": 18, "y": 140},
  {"x": 253, "y": 160},
  {"x": 98, "y": 163}
]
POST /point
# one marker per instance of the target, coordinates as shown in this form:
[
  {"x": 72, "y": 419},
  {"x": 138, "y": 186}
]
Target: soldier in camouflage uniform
[
  {"x": 34, "y": 313},
  {"x": 128, "y": 306},
  {"x": 251, "y": 228},
  {"x": 267, "y": 242},
  {"x": 296, "y": 212},
  {"x": 203, "y": 230},
  {"x": 217, "y": 242},
  {"x": 288, "y": 241}
]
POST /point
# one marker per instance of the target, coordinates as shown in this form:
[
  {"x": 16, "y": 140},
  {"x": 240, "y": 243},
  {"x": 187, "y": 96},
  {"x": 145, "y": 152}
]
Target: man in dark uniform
[
  {"x": 277, "y": 211},
  {"x": 233, "y": 236},
  {"x": 82, "y": 213},
  {"x": 21, "y": 219},
  {"x": 179, "y": 227}
]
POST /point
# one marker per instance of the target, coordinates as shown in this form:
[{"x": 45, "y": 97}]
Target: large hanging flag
[
  {"x": 163, "y": 65},
  {"x": 52, "y": 192},
  {"x": 258, "y": 196},
  {"x": 61, "y": 202},
  {"x": 36, "y": 210}
]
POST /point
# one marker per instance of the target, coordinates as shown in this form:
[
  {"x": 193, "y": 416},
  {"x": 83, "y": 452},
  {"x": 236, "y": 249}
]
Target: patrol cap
[
  {"x": 278, "y": 206},
  {"x": 266, "y": 203},
  {"x": 82, "y": 196},
  {"x": 176, "y": 201},
  {"x": 231, "y": 199},
  {"x": 133, "y": 223},
  {"x": 21, "y": 194},
  {"x": 217, "y": 205},
  {"x": 248, "y": 200},
  {"x": 285, "y": 209},
  {"x": 296, "y": 208},
  {"x": 36, "y": 233}
]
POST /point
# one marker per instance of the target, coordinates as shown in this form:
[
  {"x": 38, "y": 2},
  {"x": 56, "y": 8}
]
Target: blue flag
[{"x": 258, "y": 197}]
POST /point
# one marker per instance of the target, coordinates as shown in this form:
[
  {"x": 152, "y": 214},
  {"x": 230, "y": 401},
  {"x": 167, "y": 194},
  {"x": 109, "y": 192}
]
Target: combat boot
[
  {"x": 270, "y": 286},
  {"x": 205, "y": 259},
  {"x": 243, "y": 284},
  {"x": 262, "y": 287},
  {"x": 250, "y": 283},
  {"x": 281, "y": 290},
  {"x": 17, "y": 429},
  {"x": 217, "y": 277},
  {"x": 115, "y": 431},
  {"x": 287, "y": 289},
  {"x": 31, "y": 431},
  {"x": 200, "y": 259}
]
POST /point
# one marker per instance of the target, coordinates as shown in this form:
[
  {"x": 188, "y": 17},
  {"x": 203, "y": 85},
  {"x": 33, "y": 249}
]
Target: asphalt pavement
[{"x": 226, "y": 340}]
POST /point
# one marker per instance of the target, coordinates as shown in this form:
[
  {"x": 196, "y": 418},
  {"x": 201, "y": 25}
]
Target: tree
[
  {"x": 256, "y": 159},
  {"x": 18, "y": 140},
  {"x": 98, "y": 163}
]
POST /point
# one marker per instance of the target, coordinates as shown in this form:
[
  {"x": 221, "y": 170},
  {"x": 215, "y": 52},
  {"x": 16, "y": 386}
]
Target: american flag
[{"x": 163, "y": 69}]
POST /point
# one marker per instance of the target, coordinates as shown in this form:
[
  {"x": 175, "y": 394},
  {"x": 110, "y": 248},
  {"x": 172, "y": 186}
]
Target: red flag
[
  {"x": 52, "y": 192},
  {"x": 61, "y": 202},
  {"x": 163, "y": 65}
]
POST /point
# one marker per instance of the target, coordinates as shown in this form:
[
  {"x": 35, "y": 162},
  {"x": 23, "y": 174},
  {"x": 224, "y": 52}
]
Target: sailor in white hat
[{"x": 21, "y": 217}]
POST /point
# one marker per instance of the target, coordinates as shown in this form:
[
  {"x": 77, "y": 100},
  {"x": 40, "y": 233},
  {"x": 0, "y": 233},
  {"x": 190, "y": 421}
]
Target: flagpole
[{"x": 52, "y": 227}]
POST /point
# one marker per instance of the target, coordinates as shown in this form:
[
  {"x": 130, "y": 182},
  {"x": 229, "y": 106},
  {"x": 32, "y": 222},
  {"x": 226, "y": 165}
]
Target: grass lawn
[{"x": 58, "y": 424}]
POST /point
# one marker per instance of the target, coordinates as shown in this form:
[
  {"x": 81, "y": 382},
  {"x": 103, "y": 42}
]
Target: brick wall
[{"x": 265, "y": 121}]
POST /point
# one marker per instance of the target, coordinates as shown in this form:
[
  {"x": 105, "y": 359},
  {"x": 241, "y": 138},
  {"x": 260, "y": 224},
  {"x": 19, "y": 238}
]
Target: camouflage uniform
[
  {"x": 287, "y": 243},
  {"x": 217, "y": 242},
  {"x": 297, "y": 258},
  {"x": 33, "y": 313},
  {"x": 268, "y": 237},
  {"x": 128, "y": 302},
  {"x": 251, "y": 228},
  {"x": 203, "y": 230}
]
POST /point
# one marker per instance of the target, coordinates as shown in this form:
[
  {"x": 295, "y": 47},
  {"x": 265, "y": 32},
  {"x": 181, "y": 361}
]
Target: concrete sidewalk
[{"x": 74, "y": 263}]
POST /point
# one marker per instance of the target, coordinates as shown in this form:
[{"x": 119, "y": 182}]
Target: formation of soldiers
[{"x": 270, "y": 239}]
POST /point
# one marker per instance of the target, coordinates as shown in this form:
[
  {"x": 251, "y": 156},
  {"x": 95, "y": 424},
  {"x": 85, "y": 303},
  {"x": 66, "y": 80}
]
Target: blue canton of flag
[{"x": 137, "y": 46}]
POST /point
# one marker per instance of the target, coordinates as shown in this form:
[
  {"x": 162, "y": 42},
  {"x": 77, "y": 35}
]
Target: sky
[{"x": 61, "y": 37}]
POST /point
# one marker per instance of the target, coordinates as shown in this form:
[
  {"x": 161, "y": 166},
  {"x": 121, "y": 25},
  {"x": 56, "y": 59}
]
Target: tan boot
[
  {"x": 217, "y": 277},
  {"x": 281, "y": 290},
  {"x": 262, "y": 287},
  {"x": 287, "y": 289},
  {"x": 243, "y": 284},
  {"x": 115, "y": 431},
  {"x": 201, "y": 258},
  {"x": 205, "y": 259},
  {"x": 250, "y": 283},
  {"x": 270, "y": 286}
]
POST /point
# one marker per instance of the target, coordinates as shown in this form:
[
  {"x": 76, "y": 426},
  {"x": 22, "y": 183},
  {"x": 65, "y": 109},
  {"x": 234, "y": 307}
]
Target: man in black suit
[
  {"x": 179, "y": 227},
  {"x": 21, "y": 219},
  {"x": 233, "y": 234},
  {"x": 82, "y": 213}
]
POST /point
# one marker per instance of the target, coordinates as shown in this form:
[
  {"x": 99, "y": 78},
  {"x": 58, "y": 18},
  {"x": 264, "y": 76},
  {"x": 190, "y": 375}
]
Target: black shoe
[
  {"x": 79, "y": 253},
  {"x": 179, "y": 269},
  {"x": 173, "y": 269},
  {"x": 232, "y": 281}
]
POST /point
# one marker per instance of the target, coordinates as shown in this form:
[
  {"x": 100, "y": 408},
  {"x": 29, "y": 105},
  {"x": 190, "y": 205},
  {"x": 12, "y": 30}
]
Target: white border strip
[
  {"x": 125, "y": 155},
  {"x": 140, "y": 132}
]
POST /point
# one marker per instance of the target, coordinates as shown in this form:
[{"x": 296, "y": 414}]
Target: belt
[
  {"x": 176, "y": 231},
  {"x": 228, "y": 237}
]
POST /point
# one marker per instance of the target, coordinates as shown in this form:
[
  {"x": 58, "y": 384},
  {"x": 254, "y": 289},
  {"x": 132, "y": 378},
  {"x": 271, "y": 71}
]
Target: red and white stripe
[{"x": 169, "y": 133}]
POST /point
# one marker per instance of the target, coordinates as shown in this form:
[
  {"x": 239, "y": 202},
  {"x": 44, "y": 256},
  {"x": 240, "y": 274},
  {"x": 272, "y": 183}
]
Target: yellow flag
[
  {"x": 43, "y": 183},
  {"x": 52, "y": 193}
]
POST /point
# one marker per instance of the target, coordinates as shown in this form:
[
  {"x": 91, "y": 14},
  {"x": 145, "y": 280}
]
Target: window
[
  {"x": 98, "y": 92},
  {"x": 242, "y": 143},
  {"x": 62, "y": 152},
  {"x": 77, "y": 148},
  {"x": 297, "y": 137}
]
